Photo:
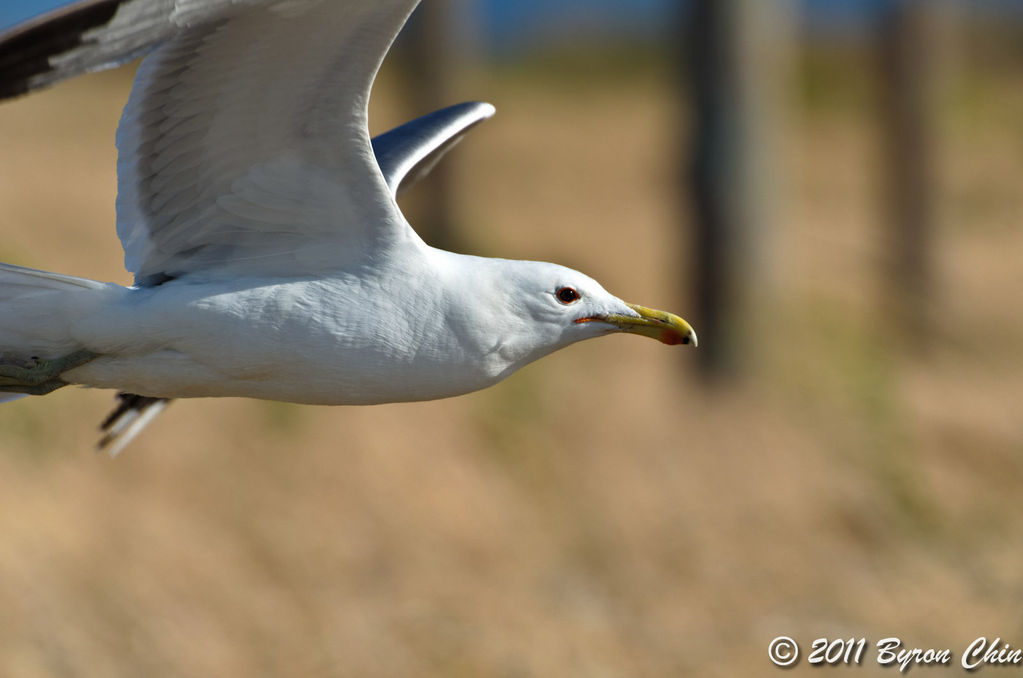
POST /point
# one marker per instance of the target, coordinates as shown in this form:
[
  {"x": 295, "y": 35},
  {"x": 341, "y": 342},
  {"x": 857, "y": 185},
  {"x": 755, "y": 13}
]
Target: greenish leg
[{"x": 39, "y": 377}]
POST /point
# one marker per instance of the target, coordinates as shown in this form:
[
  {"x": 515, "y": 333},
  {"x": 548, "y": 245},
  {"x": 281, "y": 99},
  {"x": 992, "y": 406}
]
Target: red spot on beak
[{"x": 672, "y": 338}]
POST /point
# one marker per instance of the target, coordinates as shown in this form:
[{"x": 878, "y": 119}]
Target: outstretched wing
[
  {"x": 407, "y": 153},
  {"x": 244, "y": 147}
]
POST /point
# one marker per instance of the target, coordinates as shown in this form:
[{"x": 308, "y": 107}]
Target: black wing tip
[
  {"x": 132, "y": 414},
  {"x": 26, "y": 50},
  {"x": 128, "y": 402}
]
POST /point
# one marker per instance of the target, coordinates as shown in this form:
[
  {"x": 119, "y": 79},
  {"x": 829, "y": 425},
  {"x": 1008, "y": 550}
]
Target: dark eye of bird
[{"x": 567, "y": 295}]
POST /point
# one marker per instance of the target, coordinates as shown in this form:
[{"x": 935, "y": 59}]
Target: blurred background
[{"x": 832, "y": 192}]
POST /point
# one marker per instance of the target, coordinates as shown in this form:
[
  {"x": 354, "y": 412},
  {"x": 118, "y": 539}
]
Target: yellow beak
[{"x": 665, "y": 327}]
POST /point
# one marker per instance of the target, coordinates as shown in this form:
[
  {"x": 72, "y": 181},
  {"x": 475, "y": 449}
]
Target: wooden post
[
  {"x": 739, "y": 58},
  {"x": 908, "y": 67},
  {"x": 429, "y": 65}
]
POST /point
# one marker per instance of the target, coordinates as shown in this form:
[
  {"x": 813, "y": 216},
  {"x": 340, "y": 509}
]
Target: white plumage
[{"x": 259, "y": 219}]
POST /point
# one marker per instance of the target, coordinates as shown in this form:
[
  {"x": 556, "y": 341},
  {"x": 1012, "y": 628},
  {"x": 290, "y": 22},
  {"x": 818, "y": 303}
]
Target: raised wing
[
  {"x": 83, "y": 36},
  {"x": 407, "y": 153},
  {"x": 244, "y": 147}
]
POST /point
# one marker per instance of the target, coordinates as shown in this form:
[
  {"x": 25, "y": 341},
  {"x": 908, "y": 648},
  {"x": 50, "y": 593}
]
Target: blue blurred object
[
  {"x": 509, "y": 26},
  {"x": 512, "y": 26},
  {"x": 15, "y": 11}
]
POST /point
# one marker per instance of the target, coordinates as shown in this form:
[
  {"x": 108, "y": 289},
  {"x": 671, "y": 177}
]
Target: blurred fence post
[
  {"x": 740, "y": 54},
  {"x": 909, "y": 58},
  {"x": 429, "y": 58}
]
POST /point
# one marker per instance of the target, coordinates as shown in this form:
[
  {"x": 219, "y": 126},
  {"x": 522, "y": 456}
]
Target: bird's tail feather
[
  {"x": 36, "y": 311},
  {"x": 17, "y": 280}
]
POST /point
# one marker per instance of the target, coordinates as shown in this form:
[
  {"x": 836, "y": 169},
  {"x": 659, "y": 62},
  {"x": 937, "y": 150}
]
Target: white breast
[{"x": 335, "y": 340}]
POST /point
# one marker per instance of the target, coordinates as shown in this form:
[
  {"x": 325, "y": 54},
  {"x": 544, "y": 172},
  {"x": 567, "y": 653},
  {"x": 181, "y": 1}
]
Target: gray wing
[
  {"x": 89, "y": 35},
  {"x": 407, "y": 153},
  {"x": 244, "y": 147}
]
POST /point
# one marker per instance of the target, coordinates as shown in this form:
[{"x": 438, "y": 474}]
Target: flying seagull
[{"x": 259, "y": 220}]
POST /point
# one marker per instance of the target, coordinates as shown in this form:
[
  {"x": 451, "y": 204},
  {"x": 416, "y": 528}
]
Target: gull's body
[
  {"x": 259, "y": 219},
  {"x": 360, "y": 344}
]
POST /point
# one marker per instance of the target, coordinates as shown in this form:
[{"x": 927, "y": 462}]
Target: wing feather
[
  {"x": 407, "y": 153},
  {"x": 244, "y": 145}
]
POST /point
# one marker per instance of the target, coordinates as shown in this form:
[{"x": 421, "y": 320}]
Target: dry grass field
[{"x": 601, "y": 513}]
